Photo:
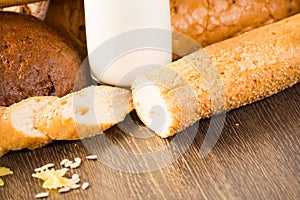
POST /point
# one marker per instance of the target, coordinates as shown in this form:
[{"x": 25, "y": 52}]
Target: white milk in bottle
[{"x": 127, "y": 37}]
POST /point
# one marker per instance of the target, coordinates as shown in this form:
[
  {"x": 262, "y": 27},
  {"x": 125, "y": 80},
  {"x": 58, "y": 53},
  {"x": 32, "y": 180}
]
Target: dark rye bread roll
[
  {"x": 35, "y": 60},
  {"x": 211, "y": 21}
]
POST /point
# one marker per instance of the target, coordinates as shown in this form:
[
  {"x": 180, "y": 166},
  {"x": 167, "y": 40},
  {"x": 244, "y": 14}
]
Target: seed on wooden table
[
  {"x": 64, "y": 161},
  {"x": 75, "y": 186},
  {"x": 50, "y": 165},
  {"x": 91, "y": 157},
  {"x": 42, "y": 195},
  {"x": 63, "y": 190},
  {"x": 77, "y": 160},
  {"x": 76, "y": 180},
  {"x": 85, "y": 185},
  {"x": 68, "y": 163},
  {"x": 74, "y": 165},
  {"x": 39, "y": 169},
  {"x": 75, "y": 176}
]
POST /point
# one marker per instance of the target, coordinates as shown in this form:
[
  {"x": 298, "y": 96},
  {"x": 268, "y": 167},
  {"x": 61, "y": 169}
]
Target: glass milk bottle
[{"x": 127, "y": 37}]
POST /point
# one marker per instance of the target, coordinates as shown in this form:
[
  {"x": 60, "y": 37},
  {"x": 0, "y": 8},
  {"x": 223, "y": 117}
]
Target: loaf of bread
[
  {"x": 212, "y": 21},
  {"x": 85, "y": 113},
  {"x": 17, "y": 124},
  {"x": 35, "y": 60},
  {"x": 206, "y": 22},
  {"x": 250, "y": 67}
]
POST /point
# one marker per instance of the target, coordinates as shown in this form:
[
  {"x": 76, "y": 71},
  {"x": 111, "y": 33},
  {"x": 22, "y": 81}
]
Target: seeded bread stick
[{"x": 250, "y": 67}]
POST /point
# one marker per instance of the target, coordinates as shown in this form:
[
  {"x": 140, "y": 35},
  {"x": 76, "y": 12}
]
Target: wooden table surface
[{"x": 256, "y": 157}]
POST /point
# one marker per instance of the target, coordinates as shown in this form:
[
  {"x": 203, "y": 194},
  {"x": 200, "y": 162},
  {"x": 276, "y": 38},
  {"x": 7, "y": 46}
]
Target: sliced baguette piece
[
  {"x": 3, "y": 151},
  {"x": 2, "y": 108},
  {"x": 249, "y": 67},
  {"x": 17, "y": 124},
  {"x": 85, "y": 113}
]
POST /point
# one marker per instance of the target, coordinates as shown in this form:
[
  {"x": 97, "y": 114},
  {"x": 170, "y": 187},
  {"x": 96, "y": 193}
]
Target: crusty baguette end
[{"x": 164, "y": 101}]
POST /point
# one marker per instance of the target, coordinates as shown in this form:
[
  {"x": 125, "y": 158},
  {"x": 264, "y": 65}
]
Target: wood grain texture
[{"x": 256, "y": 159}]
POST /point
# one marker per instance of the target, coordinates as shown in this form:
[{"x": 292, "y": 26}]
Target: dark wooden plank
[{"x": 256, "y": 157}]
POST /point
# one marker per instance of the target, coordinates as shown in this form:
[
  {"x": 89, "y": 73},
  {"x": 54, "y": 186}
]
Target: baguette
[
  {"x": 2, "y": 108},
  {"x": 85, "y": 113},
  {"x": 212, "y": 21},
  {"x": 17, "y": 124},
  {"x": 252, "y": 66},
  {"x": 2, "y": 150}
]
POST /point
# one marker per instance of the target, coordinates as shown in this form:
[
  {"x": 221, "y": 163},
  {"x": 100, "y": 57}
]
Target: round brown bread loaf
[{"x": 34, "y": 59}]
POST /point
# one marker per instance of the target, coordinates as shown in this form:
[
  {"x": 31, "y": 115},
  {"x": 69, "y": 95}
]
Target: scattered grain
[
  {"x": 64, "y": 161},
  {"x": 39, "y": 169},
  {"x": 49, "y": 165},
  {"x": 77, "y": 160},
  {"x": 92, "y": 157},
  {"x": 75, "y": 186},
  {"x": 74, "y": 165},
  {"x": 68, "y": 164},
  {"x": 64, "y": 189},
  {"x": 75, "y": 176},
  {"x": 42, "y": 195},
  {"x": 75, "y": 180},
  {"x": 85, "y": 185}
]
